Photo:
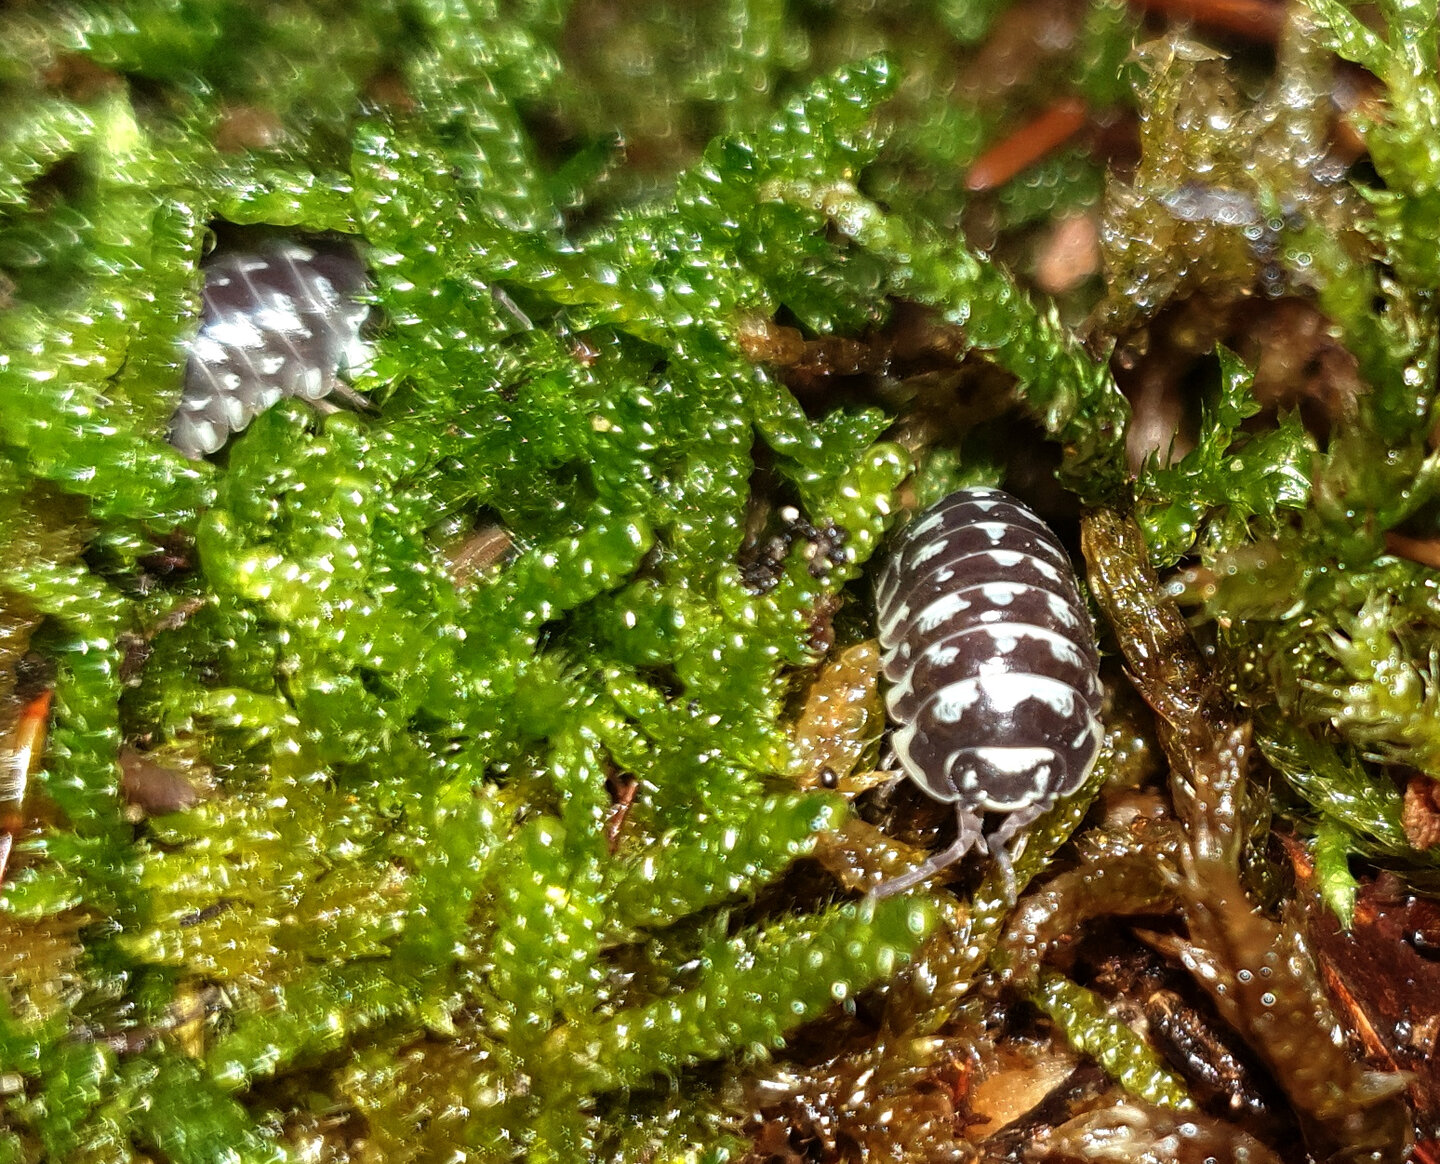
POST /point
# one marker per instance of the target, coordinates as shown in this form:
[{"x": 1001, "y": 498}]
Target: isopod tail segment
[
  {"x": 27, "y": 741},
  {"x": 993, "y": 672}
]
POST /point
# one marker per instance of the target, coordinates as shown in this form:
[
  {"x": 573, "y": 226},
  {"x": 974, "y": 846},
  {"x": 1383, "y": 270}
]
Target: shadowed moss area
[{"x": 342, "y": 847}]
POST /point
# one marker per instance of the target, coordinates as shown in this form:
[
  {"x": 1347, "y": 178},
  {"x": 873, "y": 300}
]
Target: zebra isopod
[
  {"x": 992, "y": 669},
  {"x": 281, "y": 320}
]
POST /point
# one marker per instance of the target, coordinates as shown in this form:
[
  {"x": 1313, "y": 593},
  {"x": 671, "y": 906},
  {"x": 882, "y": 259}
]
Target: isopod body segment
[
  {"x": 281, "y": 320},
  {"x": 992, "y": 668}
]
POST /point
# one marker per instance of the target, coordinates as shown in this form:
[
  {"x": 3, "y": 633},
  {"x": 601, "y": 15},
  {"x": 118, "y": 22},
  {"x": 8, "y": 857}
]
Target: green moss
[
  {"x": 1244, "y": 482},
  {"x": 1128, "y": 1058},
  {"x": 408, "y": 828},
  {"x": 414, "y": 906}
]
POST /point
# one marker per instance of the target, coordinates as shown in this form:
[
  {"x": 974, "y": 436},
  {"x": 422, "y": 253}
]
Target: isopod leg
[
  {"x": 970, "y": 833},
  {"x": 350, "y": 398},
  {"x": 999, "y": 843}
]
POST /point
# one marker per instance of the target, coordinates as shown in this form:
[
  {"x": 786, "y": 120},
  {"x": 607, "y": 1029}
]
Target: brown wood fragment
[
  {"x": 18, "y": 754},
  {"x": 1426, "y": 551},
  {"x": 477, "y": 553},
  {"x": 1420, "y": 817},
  {"x": 623, "y": 788},
  {"x": 763, "y": 341},
  {"x": 248, "y": 127},
  {"x": 153, "y": 787},
  {"x": 1383, "y": 977}
]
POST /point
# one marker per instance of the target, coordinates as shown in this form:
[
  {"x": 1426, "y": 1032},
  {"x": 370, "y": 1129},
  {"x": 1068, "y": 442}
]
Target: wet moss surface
[{"x": 489, "y": 771}]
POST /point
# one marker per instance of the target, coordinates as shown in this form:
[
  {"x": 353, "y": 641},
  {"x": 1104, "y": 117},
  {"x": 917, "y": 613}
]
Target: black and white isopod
[
  {"x": 281, "y": 320},
  {"x": 993, "y": 671}
]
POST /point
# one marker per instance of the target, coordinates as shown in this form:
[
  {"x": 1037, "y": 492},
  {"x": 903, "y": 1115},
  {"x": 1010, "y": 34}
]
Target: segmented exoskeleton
[
  {"x": 281, "y": 320},
  {"x": 992, "y": 666}
]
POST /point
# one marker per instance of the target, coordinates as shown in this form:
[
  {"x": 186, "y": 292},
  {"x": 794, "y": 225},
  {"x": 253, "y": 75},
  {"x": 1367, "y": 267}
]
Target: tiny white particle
[
  {"x": 1008, "y": 692},
  {"x": 311, "y": 384},
  {"x": 237, "y": 415},
  {"x": 280, "y": 316},
  {"x": 206, "y": 349},
  {"x": 943, "y": 608},
  {"x": 233, "y": 331},
  {"x": 203, "y": 436},
  {"x": 1000, "y": 593},
  {"x": 941, "y": 654},
  {"x": 925, "y": 525},
  {"x": 1061, "y": 611}
]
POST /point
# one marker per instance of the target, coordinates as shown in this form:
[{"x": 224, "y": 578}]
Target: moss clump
[
  {"x": 528, "y": 863},
  {"x": 407, "y": 826}
]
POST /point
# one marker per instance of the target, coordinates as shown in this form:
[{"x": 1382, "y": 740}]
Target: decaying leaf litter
[{"x": 490, "y": 773}]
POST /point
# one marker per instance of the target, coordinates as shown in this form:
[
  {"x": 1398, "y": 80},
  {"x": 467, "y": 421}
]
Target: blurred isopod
[{"x": 283, "y": 319}]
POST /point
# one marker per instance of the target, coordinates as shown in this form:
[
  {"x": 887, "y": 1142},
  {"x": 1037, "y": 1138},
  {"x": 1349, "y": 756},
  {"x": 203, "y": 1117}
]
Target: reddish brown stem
[
  {"x": 1426, "y": 551},
  {"x": 1027, "y": 145},
  {"x": 26, "y": 741}
]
